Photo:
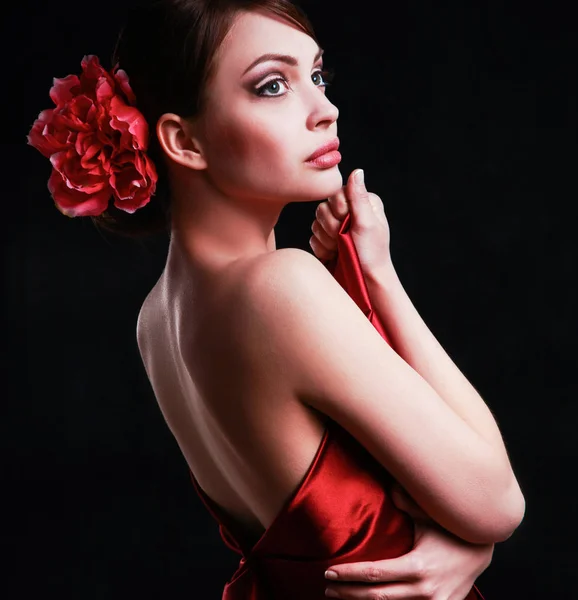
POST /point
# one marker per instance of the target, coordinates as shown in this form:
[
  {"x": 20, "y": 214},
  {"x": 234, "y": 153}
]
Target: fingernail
[
  {"x": 331, "y": 574},
  {"x": 359, "y": 176},
  {"x": 331, "y": 593}
]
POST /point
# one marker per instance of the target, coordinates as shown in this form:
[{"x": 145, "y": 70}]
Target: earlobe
[{"x": 176, "y": 138}]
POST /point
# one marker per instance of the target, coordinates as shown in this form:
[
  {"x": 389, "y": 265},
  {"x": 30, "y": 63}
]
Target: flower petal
[
  {"x": 123, "y": 82},
  {"x": 95, "y": 139},
  {"x": 64, "y": 89},
  {"x": 129, "y": 118},
  {"x": 75, "y": 203},
  {"x": 39, "y": 136}
]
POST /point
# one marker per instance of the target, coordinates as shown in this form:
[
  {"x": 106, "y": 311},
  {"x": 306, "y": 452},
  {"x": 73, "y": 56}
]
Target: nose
[{"x": 322, "y": 111}]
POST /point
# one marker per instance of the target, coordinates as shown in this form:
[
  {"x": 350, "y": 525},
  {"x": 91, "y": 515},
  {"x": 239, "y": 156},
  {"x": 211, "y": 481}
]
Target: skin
[
  {"x": 441, "y": 565},
  {"x": 232, "y": 170},
  {"x": 238, "y": 165}
]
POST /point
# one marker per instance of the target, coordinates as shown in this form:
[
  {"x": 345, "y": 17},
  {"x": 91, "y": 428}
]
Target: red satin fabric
[{"x": 340, "y": 513}]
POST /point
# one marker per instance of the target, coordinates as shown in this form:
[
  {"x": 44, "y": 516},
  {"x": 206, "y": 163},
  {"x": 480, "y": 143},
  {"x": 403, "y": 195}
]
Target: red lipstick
[{"x": 326, "y": 155}]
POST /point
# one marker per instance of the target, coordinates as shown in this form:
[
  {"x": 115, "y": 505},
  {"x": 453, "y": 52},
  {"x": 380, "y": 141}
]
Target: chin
[
  {"x": 316, "y": 185},
  {"x": 327, "y": 182}
]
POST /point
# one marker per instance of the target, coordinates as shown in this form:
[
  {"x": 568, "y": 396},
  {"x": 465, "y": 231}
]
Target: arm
[
  {"x": 409, "y": 334},
  {"x": 416, "y": 344},
  {"x": 440, "y": 565},
  {"x": 295, "y": 313}
]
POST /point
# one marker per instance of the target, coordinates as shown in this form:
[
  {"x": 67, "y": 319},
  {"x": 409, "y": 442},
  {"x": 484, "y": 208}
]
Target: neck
[{"x": 207, "y": 235}]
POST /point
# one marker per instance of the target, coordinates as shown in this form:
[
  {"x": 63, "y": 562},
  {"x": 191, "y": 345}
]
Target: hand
[
  {"x": 369, "y": 227},
  {"x": 440, "y": 566}
]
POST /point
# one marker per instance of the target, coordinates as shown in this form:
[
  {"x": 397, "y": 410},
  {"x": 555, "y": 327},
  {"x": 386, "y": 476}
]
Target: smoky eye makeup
[
  {"x": 268, "y": 77},
  {"x": 259, "y": 90}
]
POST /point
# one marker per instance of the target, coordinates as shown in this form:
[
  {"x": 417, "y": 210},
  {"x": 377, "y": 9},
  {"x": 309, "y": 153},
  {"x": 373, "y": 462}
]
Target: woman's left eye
[{"x": 326, "y": 75}]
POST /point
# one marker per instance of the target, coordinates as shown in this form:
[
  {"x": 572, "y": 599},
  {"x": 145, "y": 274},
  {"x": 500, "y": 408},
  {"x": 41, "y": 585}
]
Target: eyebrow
[{"x": 290, "y": 60}]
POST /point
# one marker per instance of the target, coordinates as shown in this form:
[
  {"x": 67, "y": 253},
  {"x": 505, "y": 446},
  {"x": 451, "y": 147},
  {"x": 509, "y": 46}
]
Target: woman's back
[
  {"x": 339, "y": 509},
  {"x": 226, "y": 366},
  {"x": 245, "y": 435}
]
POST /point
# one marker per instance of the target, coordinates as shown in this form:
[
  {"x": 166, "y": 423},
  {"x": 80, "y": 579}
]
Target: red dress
[{"x": 340, "y": 513}]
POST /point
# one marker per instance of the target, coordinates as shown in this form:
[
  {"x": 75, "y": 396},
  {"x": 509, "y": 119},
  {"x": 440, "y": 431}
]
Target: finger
[
  {"x": 330, "y": 223},
  {"x": 338, "y": 204},
  {"x": 376, "y": 202},
  {"x": 320, "y": 251},
  {"x": 401, "y": 568},
  {"x": 394, "y": 591},
  {"x": 326, "y": 240},
  {"x": 359, "y": 203}
]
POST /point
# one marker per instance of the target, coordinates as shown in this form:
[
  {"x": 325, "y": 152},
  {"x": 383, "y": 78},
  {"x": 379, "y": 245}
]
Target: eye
[
  {"x": 326, "y": 75},
  {"x": 264, "y": 87}
]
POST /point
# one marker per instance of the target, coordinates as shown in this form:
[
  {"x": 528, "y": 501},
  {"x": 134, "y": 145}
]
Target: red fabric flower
[{"x": 96, "y": 141}]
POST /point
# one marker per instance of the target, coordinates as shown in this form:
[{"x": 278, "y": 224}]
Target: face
[{"x": 260, "y": 126}]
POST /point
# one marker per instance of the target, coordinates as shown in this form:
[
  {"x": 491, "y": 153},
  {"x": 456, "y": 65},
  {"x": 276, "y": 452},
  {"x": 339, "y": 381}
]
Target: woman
[{"x": 256, "y": 354}]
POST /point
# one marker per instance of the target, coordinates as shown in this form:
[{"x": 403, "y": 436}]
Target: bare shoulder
[
  {"x": 292, "y": 306},
  {"x": 282, "y": 292},
  {"x": 286, "y": 276},
  {"x": 284, "y": 262}
]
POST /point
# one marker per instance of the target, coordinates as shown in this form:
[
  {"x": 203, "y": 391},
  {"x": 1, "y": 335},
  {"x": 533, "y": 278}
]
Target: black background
[{"x": 463, "y": 116}]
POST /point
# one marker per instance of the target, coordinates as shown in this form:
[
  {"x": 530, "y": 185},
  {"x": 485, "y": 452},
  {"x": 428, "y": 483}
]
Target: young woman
[{"x": 309, "y": 437}]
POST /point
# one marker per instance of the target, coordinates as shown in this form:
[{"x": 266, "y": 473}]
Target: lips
[{"x": 328, "y": 147}]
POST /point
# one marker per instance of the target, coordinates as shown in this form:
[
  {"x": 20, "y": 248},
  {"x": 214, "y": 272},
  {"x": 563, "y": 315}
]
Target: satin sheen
[{"x": 340, "y": 513}]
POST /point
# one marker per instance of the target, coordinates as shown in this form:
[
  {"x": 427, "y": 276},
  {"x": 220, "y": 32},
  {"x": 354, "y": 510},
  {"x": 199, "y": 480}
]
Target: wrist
[{"x": 385, "y": 277}]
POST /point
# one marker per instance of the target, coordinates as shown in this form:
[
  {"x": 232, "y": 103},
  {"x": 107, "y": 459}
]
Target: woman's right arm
[{"x": 293, "y": 311}]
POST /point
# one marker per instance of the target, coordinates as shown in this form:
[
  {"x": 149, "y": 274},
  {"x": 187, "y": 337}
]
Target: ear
[{"x": 177, "y": 139}]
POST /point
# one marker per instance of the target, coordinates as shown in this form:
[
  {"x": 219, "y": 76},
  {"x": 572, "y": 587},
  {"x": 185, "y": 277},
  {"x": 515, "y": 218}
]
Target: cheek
[
  {"x": 253, "y": 143},
  {"x": 247, "y": 133},
  {"x": 262, "y": 154},
  {"x": 250, "y": 154}
]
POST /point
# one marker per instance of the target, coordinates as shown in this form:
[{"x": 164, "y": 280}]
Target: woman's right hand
[{"x": 369, "y": 227}]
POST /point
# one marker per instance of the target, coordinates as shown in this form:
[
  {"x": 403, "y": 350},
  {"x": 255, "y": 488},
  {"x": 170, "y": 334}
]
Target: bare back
[{"x": 246, "y": 437}]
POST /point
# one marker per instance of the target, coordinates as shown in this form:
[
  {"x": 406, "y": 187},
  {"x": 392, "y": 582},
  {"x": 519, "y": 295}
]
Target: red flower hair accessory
[{"x": 96, "y": 141}]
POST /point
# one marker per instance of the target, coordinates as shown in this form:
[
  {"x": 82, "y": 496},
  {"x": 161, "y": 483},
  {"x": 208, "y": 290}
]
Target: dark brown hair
[{"x": 167, "y": 48}]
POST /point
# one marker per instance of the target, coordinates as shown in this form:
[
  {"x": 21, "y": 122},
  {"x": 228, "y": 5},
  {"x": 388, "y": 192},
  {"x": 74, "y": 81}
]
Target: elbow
[
  {"x": 505, "y": 509},
  {"x": 513, "y": 512},
  {"x": 500, "y": 522}
]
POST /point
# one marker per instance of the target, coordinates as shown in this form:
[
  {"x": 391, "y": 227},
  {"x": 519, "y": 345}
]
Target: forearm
[{"x": 415, "y": 343}]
